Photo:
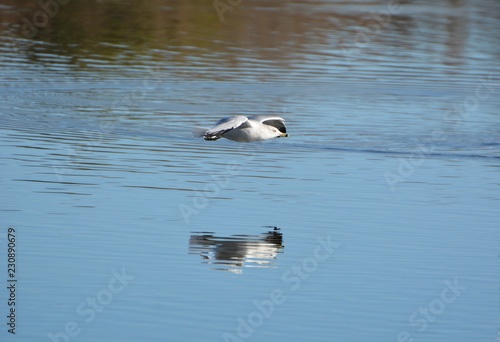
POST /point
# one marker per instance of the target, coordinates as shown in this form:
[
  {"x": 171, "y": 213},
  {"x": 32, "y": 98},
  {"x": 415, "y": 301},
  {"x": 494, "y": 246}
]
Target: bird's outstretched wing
[
  {"x": 271, "y": 120},
  {"x": 225, "y": 125}
]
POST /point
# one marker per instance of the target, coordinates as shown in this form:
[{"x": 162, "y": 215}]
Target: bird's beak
[{"x": 283, "y": 135}]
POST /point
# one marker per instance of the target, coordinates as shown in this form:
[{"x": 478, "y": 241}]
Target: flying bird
[{"x": 246, "y": 129}]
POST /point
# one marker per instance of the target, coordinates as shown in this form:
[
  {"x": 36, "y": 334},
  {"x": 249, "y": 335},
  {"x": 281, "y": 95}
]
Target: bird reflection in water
[{"x": 232, "y": 253}]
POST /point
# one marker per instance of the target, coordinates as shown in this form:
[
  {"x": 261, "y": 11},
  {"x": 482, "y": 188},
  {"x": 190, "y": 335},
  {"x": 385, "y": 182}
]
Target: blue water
[{"x": 377, "y": 219}]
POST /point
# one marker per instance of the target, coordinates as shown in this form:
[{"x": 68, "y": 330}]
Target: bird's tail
[{"x": 199, "y": 132}]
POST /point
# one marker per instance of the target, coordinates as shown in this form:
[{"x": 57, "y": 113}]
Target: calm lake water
[{"x": 376, "y": 220}]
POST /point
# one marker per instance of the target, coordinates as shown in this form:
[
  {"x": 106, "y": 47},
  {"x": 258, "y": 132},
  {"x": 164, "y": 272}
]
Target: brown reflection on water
[{"x": 191, "y": 32}]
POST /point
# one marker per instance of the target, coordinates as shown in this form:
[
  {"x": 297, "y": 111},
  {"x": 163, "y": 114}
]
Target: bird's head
[{"x": 280, "y": 133}]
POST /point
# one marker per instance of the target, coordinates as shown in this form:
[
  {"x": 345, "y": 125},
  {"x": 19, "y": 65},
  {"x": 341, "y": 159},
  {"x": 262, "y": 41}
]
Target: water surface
[{"x": 385, "y": 196}]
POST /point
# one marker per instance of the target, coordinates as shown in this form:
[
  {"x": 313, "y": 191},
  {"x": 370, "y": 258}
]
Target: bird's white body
[{"x": 252, "y": 130}]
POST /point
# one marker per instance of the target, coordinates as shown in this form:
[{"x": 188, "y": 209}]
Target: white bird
[{"x": 246, "y": 129}]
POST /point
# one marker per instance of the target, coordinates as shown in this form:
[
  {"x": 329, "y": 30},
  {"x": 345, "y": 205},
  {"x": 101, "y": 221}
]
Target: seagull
[{"x": 246, "y": 129}]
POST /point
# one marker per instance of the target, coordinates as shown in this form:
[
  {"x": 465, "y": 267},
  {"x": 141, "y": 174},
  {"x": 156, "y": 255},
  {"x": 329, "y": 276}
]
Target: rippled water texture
[{"x": 377, "y": 219}]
